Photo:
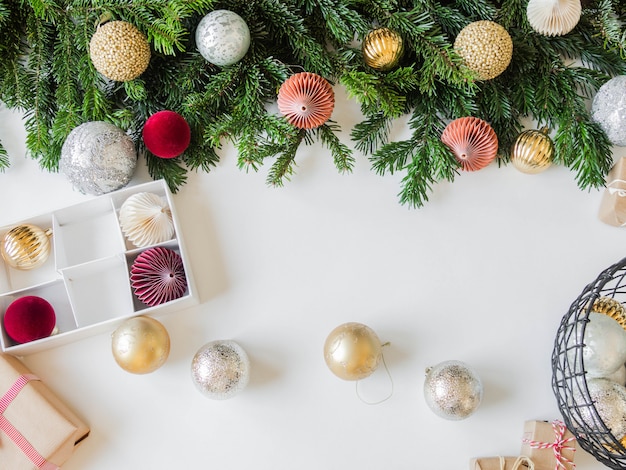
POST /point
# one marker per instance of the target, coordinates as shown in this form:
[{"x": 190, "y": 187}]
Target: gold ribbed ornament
[
  {"x": 382, "y": 49},
  {"x": 532, "y": 151},
  {"x": 611, "y": 308},
  {"x": 26, "y": 246}
]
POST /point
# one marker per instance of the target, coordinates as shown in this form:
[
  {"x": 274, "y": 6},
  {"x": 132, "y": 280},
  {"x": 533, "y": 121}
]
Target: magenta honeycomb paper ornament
[{"x": 157, "y": 276}]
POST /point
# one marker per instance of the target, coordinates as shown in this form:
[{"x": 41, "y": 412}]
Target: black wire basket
[{"x": 569, "y": 381}]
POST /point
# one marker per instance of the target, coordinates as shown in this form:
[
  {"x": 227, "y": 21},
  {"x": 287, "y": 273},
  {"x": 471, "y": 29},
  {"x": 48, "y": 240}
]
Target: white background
[{"x": 483, "y": 274}]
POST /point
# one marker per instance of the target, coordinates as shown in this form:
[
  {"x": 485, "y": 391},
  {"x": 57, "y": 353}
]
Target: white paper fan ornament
[
  {"x": 146, "y": 219},
  {"x": 553, "y": 17}
]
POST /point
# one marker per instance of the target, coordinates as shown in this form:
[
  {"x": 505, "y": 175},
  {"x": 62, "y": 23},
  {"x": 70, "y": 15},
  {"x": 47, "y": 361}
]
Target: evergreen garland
[{"x": 47, "y": 74}]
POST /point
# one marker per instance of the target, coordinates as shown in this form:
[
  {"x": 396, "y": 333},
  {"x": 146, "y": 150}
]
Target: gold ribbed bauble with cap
[
  {"x": 26, "y": 246},
  {"x": 382, "y": 49},
  {"x": 486, "y": 48},
  {"x": 119, "y": 51},
  {"x": 532, "y": 151}
]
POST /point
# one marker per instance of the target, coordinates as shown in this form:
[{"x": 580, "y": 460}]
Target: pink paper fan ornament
[
  {"x": 473, "y": 142},
  {"x": 157, "y": 276},
  {"x": 306, "y": 100}
]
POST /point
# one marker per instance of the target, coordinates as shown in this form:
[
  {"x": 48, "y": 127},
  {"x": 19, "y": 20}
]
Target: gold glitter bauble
[
  {"x": 352, "y": 351},
  {"x": 26, "y": 246},
  {"x": 140, "y": 345},
  {"x": 382, "y": 49},
  {"x": 119, "y": 51},
  {"x": 532, "y": 151},
  {"x": 486, "y": 48},
  {"x": 611, "y": 308}
]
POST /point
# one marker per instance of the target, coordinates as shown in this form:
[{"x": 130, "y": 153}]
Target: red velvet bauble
[
  {"x": 166, "y": 134},
  {"x": 29, "y": 318}
]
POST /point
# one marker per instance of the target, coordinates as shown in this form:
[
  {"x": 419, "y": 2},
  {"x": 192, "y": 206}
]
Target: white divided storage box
[{"x": 86, "y": 278}]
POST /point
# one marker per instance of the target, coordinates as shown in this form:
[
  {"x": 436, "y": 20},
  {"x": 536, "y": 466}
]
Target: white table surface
[{"x": 483, "y": 274}]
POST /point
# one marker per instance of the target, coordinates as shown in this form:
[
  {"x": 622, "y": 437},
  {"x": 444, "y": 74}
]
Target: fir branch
[
  {"x": 68, "y": 96},
  {"x": 40, "y": 115},
  {"x": 476, "y": 10},
  {"x": 372, "y": 133},
  {"x": 15, "y": 88},
  {"x": 135, "y": 89},
  {"x": 168, "y": 169},
  {"x": 201, "y": 155},
  {"x": 583, "y": 146},
  {"x": 285, "y": 25},
  {"x": 5, "y": 14},
  {"x": 4, "y": 158},
  {"x": 431, "y": 162},
  {"x": 612, "y": 28},
  {"x": 512, "y": 15},
  {"x": 342, "y": 156},
  {"x": 375, "y": 93},
  {"x": 283, "y": 167},
  {"x": 337, "y": 18},
  {"x": 427, "y": 41}
]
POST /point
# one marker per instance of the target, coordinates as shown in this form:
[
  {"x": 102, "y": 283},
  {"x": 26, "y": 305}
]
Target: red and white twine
[
  {"x": 558, "y": 446},
  {"x": 11, "y": 431}
]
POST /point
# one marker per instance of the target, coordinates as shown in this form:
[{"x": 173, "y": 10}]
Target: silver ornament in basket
[{"x": 594, "y": 410}]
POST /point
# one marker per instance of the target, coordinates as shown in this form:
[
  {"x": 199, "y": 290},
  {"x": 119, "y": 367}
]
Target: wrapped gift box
[
  {"x": 37, "y": 430},
  {"x": 613, "y": 205},
  {"x": 548, "y": 443},
  {"x": 501, "y": 463}
]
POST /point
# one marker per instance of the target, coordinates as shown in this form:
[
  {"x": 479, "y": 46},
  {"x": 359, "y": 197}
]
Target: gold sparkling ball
[
  {"x": 140, "y": 345},
  {"x": 119, "y": 51},
  {"x": 532, "y": 151},
  {"x": 26, "y": 246},
  {"x": 486, "y": 48},
  {"x": 382, "y": 49},
  {"x": 612, "y": 308},
  {"x": 352, "y": 351}
]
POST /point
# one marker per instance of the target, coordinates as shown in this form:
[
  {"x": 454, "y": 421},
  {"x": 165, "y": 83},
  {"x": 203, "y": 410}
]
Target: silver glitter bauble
[
  {"x": 222, "y": 37},
  {"x": 608, "y": 109},
  {"x": 452, "y": 390},
  {"x": 220, "y": 369},
  {"x": 604, "y": 349},
  {"x": 98, "y": 157},
  {"x": 609, "y": 399}
]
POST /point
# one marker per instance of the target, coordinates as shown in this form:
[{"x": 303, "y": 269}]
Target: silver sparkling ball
[
  {"x": 222, "y": 37},
  {"x": 220, "y": 369},
  {"x": 609, "y": 399},
  {"x": 98, "y": 157},
  {"x": 604, "y": 350},
  {"x": 452, "y": 390},
  {"x": 608, "y": 109}
]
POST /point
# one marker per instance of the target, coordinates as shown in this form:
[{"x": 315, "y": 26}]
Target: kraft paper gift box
[
  {"x": 547, "y": 444},
  {"x": 613, "y": 204},
  {"x": 501, "y": 463},
  {"x": 37, "y": 430}
]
